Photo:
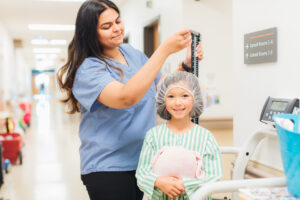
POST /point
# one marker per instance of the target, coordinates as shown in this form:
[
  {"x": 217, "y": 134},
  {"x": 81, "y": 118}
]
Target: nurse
[{"x": 113, "y": 86}]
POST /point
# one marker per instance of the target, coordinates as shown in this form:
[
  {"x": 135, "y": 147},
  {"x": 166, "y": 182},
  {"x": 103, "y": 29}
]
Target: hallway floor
[{"x": 50, "y": 169}]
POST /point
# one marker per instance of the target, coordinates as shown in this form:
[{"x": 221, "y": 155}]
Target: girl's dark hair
[{"x": 85, "y": 43}]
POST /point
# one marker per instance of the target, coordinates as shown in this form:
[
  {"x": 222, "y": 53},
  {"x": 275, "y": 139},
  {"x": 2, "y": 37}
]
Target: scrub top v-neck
[
  {"x": 111, "y": 139},
  {"x": 124, "y": 56}
]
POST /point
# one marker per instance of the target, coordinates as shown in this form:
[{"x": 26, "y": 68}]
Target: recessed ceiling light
[
  {"x": 39, "y": 42},
  {"x": 58, "y": 42},
  {"x": 45, "y": 56},
  {"x": 66, "y": 0},
  {"x": 44, "y": 64},
  {"x": 52, "y": 27},
  {"x": 46, "y": 50},
  {"x": 47, "y": 42}
]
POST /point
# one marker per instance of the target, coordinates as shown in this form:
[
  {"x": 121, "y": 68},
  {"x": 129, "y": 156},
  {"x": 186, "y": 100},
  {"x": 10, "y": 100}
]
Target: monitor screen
[{"x": 278, "y": 105}]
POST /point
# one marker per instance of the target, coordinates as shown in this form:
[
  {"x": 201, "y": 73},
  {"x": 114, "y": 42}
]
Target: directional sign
[{"x": 260, "y": 46}]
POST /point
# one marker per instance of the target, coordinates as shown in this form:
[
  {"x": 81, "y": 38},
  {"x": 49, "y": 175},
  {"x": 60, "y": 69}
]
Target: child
[{"x": 178, "y": 157}]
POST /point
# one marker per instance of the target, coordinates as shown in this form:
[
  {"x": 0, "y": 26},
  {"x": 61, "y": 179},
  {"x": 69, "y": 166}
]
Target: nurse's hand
[
  {"x": 177, "y": 41},
  {"x": 198, "y": 54},
  {"x": 171, "y": 186}
]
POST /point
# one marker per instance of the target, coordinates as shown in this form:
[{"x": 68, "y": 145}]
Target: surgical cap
[{"x": 184, "y": 80}]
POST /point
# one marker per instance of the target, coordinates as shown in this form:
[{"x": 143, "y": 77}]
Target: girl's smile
[{"x": 179, "y": 103}]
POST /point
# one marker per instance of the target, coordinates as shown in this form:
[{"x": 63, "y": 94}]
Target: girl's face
[
  {"x": 179, "y": 103},
  {"x": 110, "y": 29}
]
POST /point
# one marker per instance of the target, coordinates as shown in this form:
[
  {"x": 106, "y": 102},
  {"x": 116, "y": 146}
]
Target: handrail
[{"x": 235, "y": 185}]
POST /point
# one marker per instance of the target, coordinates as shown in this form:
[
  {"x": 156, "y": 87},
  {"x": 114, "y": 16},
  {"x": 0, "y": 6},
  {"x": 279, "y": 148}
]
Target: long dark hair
[{"x": 85, "y": 43}]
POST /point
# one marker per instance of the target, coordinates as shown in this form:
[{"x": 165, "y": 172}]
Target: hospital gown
[{"x": 197, "y": 139}]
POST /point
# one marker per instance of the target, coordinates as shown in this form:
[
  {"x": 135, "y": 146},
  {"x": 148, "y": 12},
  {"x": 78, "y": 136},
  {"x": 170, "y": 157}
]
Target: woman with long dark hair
[{"x": 113, "y": 85}]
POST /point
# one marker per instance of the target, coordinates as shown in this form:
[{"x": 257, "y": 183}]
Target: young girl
[{"x": 178, "y": 157}]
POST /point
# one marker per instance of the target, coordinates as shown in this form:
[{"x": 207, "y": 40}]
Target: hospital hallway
[{"x": 50, "y": 169}]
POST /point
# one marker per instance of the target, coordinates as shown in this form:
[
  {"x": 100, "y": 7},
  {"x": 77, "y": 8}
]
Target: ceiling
[{"x": 16, "y": 15}]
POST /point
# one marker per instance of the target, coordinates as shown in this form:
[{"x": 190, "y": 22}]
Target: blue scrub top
[{"x": 111, "y": 139}]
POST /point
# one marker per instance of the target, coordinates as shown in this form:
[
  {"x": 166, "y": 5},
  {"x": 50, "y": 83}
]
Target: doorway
[
  {"x": 43, "y": 82},
  {"x": 151, "y": 37}
]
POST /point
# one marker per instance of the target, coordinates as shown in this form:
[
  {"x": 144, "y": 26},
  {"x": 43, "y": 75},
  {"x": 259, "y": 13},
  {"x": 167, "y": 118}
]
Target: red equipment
[{"x": 12, "y": 147}]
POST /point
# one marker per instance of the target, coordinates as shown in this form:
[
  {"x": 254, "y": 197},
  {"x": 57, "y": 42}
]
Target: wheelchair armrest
[{"x": 235, "y": 185}]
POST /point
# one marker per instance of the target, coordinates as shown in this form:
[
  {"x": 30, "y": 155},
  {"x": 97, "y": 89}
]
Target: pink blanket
[{"x": 177, "y": 161}]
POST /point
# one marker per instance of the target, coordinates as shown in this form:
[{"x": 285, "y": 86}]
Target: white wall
[
  {"x": 14, "y": 72},
  {"x": 254, "y": 83},
  {"x": 213, "y": 18},
  {"x": 6, "y": 63},
  {"x": 23, "y": 74},
  {"x": 136, "y": 16},
  {"x": 1, "y": 66}
]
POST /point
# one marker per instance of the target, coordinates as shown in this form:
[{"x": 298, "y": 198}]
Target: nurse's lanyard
[{"x": 196, "y": 38}]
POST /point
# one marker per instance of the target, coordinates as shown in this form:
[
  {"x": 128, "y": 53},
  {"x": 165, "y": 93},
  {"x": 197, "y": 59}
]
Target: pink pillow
[{"x": 177, "y": 161}]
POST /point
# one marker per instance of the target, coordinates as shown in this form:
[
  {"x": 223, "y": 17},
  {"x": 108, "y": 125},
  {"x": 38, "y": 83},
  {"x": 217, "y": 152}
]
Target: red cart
[{"x": 12, "y": 147}]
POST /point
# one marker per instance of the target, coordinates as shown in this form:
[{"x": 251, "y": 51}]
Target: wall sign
[{"x": 260, "y": 46}]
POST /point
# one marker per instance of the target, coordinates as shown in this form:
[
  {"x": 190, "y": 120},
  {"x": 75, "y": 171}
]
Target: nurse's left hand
[{"x": 198, "y": 54}]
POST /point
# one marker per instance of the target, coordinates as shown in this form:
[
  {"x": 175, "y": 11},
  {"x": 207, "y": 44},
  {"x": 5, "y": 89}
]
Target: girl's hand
[
  {"x": 198, "y": 53},
  {"x": 171, "y": 186},
  {"x": 177, "y": 41}
]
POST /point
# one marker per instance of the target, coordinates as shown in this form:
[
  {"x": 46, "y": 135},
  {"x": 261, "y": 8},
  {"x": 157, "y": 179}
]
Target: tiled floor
[{"x": 50, "y": 169}]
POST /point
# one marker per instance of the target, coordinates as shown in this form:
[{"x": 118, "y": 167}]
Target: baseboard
[{"x": 216, "y": 123}]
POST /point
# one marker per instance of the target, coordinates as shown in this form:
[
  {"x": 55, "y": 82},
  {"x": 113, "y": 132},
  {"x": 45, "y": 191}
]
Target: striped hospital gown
[{"x": 197, "y": 139}]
